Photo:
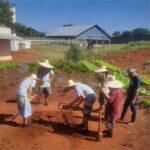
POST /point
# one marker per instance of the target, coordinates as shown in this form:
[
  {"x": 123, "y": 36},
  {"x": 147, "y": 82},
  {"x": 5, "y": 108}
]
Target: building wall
[
  {"x": 5, "y": 52},
  {"x": 5, "y": 31},
  {"x": 20, "y": 44},
  {"x": 93, "y": 33}
]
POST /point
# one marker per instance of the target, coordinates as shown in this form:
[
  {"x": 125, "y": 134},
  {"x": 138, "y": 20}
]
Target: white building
[{"x": 18, "y": 42}]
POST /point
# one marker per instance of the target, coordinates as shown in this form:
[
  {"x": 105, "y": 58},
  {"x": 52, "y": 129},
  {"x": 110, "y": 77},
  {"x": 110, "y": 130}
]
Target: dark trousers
[{"x": 133, "y": 107}]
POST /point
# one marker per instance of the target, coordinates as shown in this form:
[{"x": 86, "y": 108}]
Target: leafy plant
[
  {"x": 145, "y": 103},
  {"x": 144, "y": 92},
  {"x": 33, "y": 67},
  {"x": 8, "y": 65},
  {"x": 145, "y": 81},
  {"x": 74, "y": 53},
  {"x": 109, "y": 66},
  {"x": 89, "y": 66}
]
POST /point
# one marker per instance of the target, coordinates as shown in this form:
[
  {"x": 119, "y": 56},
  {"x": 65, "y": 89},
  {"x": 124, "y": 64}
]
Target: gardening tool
[
  {"x": 66, "y": 106},
  {"x": 99, "y": 134},
  {"x": 14, "y": 116}
]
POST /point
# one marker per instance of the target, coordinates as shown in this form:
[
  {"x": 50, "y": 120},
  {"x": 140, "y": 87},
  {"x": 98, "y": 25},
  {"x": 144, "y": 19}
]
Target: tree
[
  {"x": 126, "y": 34},
  {"x": 23, "y": 31},
  {"x": 74, "y": 53},
  {"x": 140, "y": 31},
  {"x": 117, "y": 33},
  {"x": 5, "y": 14}
]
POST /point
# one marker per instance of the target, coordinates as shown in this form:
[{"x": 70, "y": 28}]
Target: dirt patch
[
  {"x": 25, "y": 56},
  {"x": 135, "y": 58},
  {"x": 55, "y": 129}
]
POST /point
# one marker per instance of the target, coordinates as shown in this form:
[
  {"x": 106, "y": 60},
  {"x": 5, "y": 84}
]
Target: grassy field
[
  {"x": 56, "y": 52},
  {"x": 50, "y": 52}
]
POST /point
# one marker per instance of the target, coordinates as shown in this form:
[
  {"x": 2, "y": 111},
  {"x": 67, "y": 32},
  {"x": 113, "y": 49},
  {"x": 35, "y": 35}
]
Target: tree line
[
  {"x": 20, "y": 29},
  {"x": 137, "y": 34}
]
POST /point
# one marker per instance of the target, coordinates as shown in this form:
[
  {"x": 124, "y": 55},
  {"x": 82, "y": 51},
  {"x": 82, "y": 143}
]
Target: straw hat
[
  {"x": 72, "y": 83},
  {"x": 33, "y": 76},
  {"x": 46, "y": 64},
  {"x": 102, "y": 69},
  {"x": 113, "y": 83}
]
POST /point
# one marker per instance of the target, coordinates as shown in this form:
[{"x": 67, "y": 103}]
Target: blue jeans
[{"x": 133, "y": 107}]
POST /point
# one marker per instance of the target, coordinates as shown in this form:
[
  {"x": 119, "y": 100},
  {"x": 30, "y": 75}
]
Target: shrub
[
  {"x": 74, "y": 53},
  {"x": 33, "y": 67},
  {"x": 145, "y": 103},
  {"x": 59, "y": 64},
  {"x": 9, "y": 65}
]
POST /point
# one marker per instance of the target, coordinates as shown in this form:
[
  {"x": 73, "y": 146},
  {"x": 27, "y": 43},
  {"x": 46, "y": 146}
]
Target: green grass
[
  {"x": 110, "y": 48},
  {"x": 50, "y": 52},
  {"x": 138, "y": 44}
]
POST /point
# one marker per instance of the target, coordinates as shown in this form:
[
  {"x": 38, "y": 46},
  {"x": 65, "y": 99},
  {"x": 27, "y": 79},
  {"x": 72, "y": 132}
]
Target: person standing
[
  {"x": 114, "y": 104},
  {"x": 102, "y": 76},
  {"x": 132, "y": 95},
  {"x": 24, "y": 96},
  {"x": 45, "y": 73}
]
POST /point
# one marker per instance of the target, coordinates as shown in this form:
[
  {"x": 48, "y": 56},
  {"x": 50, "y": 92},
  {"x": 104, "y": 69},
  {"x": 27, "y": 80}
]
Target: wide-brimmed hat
[
  {"x": 113, "y": 83},
  {"x": 33, "y": 76},
  {"x": 72, "y": 83},
  {"x": 46, "y": 64},
  {"x": 102, "y": 69}
]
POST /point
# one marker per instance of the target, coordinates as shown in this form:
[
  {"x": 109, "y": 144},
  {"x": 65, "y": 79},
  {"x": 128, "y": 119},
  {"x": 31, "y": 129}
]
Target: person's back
[
  {"x": 24, "y": 86},
  {"x": 83, "y": 89}
]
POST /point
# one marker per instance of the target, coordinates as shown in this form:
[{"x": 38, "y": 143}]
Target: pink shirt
[{"x": 113, "y": 108}]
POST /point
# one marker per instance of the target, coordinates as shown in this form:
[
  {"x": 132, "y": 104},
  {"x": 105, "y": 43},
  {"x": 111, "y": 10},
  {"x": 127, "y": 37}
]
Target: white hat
[
  {"x": 111, "y": 78},
  {"x": 102, "y": 69},
  {"x": 113, "y": 83},
  {"x": 33, "y": 76},
  {"x": 46, "y": 64},
  {"x": 131, "y": 70},
  {"x": 72, "y": 83}
]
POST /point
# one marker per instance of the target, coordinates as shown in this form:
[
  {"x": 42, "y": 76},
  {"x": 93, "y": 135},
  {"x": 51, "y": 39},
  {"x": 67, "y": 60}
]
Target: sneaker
[
  {"x": 131, "y": 123},
  {"x": 105, "y": 131},
  {"x": 27, "y": 125},
  {"x": 121, "y": 119},
  {"x": 80, "y": 126},
  {"x": 84, "y": 131},
  {"x": 107, "y": 134},
  {"x": 46, "y": 104}
]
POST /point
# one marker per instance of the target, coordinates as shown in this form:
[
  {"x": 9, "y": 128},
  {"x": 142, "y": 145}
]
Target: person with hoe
[
  {"x": 114, "y": 105},
  {"x": 86, "y": 94},
  {"x": 132, "y": 95},
  {"x": 24, "y": 96},
  {"x": 102, "y": 76},
  {"x": 45, "y": 73}
]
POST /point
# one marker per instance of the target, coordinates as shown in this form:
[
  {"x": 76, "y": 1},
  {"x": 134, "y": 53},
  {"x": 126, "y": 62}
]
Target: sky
[{"x": 111, "y": 15}]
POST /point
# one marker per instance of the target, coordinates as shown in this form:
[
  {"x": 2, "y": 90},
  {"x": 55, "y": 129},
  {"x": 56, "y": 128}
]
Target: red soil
[
  {"x": 135, "y": 58},
  {"x": 54, "y": 129}
]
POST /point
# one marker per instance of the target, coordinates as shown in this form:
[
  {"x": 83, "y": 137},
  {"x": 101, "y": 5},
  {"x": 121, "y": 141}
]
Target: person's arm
[
  {"x": 136, "y": 94},
  {"x": 51, "y": 75},
  {"x": 137, "y": 83},
  {"x": 30, "y": 93},
  {"x": 79, "y": 99}
]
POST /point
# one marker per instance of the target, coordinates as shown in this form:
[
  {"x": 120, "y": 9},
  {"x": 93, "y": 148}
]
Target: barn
[{"x": 80, "y": 34}]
